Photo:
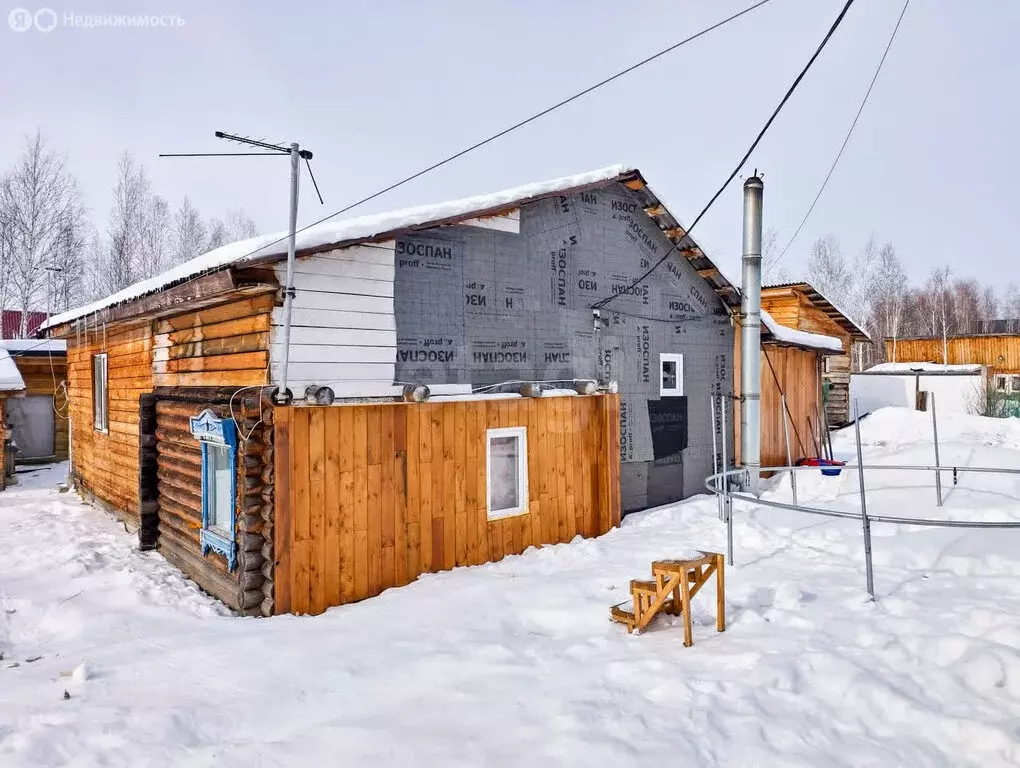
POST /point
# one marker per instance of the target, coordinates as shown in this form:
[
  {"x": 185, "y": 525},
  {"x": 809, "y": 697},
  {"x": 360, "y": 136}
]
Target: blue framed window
[{"x": 218, "y": 438}]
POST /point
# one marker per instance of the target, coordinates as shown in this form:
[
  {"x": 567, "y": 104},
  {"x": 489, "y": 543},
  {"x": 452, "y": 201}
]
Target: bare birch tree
[
  {"x": 131, "y": 202},
  {"x": 240, "y": 227},
  {"x": 39, "y": 197},
  {"x": 156, "y": 245},
  {"x": 218, "y": 234},
  {"x": 189, "y": 236}
]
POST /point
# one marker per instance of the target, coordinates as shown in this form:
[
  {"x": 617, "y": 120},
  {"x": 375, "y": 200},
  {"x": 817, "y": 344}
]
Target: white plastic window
[
  {"x": 1014, "y": 383},
  {"x": 506, "y": 471},
  {"x": 671, "y": 375},
  {"x": 100, "y": 415},
  {"x": 220, "y": 499},
  {"x": 1000, "y": 383}
]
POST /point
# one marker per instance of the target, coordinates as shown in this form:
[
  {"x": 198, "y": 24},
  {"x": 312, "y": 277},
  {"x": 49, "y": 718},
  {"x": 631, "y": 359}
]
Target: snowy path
[{"x": 516, "y": 663}]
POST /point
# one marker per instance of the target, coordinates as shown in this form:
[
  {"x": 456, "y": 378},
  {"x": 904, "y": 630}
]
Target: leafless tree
[
  {"x": 155, "y": 248},
  {"x": 131, "y": 202},
  {"x": 39, "y": 198},
  {"x": 218, "y": 234},
  {"x": 888, "y": 297},
  {"x": 240, "y": 227},
  {"x": 189, "y": 233}
]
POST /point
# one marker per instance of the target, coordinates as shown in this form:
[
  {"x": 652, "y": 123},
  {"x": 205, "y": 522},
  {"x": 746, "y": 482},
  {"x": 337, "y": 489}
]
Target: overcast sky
[{"x": 379, "y": 89}]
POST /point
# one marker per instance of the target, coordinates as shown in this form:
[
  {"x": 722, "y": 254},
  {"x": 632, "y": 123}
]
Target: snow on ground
[{"x": 516, "y": 663}]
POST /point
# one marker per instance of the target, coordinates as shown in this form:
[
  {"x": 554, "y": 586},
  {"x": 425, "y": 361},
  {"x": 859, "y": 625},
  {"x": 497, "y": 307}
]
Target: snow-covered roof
[
  {"x": 34, "y": 346},
  {"x": 835, "y": 313},
  {"x": 10, "y": 376},
  {"x": 923, "y": 368},
  {"x": 330, "y": 233},
  {"x": 800, "y": 338}
]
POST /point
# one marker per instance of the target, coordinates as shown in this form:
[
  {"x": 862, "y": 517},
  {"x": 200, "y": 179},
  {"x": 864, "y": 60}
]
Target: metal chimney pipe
[{"x": 750, "y": 335}]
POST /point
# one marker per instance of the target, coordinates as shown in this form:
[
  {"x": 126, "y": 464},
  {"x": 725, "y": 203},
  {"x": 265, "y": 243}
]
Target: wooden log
[{"x": 216, "y": 583}]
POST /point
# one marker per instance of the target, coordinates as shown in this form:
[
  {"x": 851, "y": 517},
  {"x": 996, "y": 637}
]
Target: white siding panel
[
  {"x": 347, "y": 337},
  {"x": 317, "y": 353},
  {"x": 343, "y": 334},
  {"x": 506, "y": 222},
  {"x": 322, "y": 373},
  {"x": 324, "y": 265},
  {"x": 325, "y": 319},
  {"x": 349, "y": 302},
  {"x": 338, "y": 284}
]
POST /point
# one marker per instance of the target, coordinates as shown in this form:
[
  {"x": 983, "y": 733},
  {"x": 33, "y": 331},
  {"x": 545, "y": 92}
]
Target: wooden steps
[{"x": 674, "y": 582}]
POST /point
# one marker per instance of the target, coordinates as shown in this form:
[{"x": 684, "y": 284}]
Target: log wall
[
  {"x": 1001, "y": 353},
  {"x": 43, "y": 375},
  {"x": 227, "y": 344},
  {"x": 179, "y": 482},
  {"x": 370, "y": 496},
  {"x": 106, "y": 464}
]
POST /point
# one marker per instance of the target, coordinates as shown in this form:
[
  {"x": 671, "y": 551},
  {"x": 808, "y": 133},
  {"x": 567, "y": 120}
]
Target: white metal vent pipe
[{"x": 750, "y": 335}]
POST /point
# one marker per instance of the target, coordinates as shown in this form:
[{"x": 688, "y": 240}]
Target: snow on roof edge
[
  {"x": 800, "y": 338},
  {"x": 926, "y": 367},
  {"x": 27, "y": 346},
  {"x": 10, "y": 376},
  {"x": 361, "y": 227}
]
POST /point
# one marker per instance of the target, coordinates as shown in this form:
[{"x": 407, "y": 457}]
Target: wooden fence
[{"x": 370, "y": 496}]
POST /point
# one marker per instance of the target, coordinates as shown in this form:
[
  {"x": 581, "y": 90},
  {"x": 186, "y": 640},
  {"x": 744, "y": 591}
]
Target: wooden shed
[
  {"x": 800, "y": 306},
  {"x": 39, "y": 419},
  {"x": 791, "y": 364}
]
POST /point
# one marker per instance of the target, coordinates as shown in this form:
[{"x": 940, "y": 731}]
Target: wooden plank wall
[
  {"x": 43, "y": 375},
  {"x": 227, "y": 344},
  {"x": 371, "y": 496},
  {"x": 106, "y": 465},
  {"x": 1002, "y": 353},
  {"x": 798, "y": 376}
]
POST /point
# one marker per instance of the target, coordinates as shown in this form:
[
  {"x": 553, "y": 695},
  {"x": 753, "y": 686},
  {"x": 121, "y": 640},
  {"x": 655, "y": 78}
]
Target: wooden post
[
  {"x": 685, "y": 596},
  {"x": 720, "y": 593},
  {"x": 148, "y": 483},
  {"x": 282, "y": 583}
]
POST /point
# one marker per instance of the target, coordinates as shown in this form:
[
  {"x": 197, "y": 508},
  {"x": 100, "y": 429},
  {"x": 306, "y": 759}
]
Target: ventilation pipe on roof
[{"x": 750, "y": 335}]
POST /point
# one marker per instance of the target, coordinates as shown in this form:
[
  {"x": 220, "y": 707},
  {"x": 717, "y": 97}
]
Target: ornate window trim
[{"x": 212, "y": 431}]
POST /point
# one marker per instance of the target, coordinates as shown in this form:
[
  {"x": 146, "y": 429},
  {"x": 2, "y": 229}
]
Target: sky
[{"x": 380, "y": 89}]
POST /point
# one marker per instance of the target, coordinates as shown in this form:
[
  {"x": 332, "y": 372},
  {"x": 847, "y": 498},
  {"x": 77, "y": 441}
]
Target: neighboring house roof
[
  {"x": 10, "y": 322},
  {"x": 10, "y": 376},
  {"x": 30, "y": 347},
  {"x": 793, "y": 337},
  {"x": 385, "y": 226},
  {"x": 828, "y": 307}
]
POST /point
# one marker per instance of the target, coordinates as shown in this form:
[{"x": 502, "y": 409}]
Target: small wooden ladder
[{"x": 674, "y": 583}]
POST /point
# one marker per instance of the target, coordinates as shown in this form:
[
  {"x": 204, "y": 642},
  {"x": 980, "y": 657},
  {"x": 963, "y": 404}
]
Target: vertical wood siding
[
  {"x": 798, "y": 377},
  {"x": 42, "y": 375},
  {"x": 999, "y": 352},
  {"x": 370, "y": 496},
  {"x": 106, "y": 464}
]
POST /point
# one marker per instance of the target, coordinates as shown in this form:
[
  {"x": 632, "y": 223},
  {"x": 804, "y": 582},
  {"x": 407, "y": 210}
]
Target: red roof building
[{"x": 10, "y": 323}]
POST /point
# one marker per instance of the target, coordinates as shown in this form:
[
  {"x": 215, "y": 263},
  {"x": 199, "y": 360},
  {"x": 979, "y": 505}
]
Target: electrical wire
[
  {"x": 849, "y": 133},
  {"x": 740, "y": 164},
  {"x": 519, "y": 124}
]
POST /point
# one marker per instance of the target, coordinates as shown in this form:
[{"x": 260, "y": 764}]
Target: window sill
[
  {"x": 502, "y": 514},
  {"x": 216, "y": 540}
]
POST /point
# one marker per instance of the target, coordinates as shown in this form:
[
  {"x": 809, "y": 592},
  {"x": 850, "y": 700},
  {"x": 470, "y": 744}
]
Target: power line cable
[
  {"x": 520, "y": 124},
  {"x": 754, "y": 144},
  {"x": 849, "y": 133}
]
